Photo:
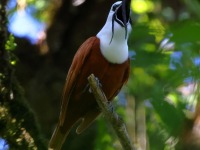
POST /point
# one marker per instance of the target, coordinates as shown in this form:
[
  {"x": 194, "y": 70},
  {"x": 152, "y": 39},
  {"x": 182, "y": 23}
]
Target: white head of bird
[{"x": 114, "y": 34}]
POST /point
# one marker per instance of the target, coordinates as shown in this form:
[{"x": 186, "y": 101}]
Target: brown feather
[
  {"x": 73, "y": 72},
  {"x": 78, "y": 103}
]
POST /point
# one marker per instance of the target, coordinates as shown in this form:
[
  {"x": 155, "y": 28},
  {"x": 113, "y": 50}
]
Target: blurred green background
[{"x": 160, "y": 103}]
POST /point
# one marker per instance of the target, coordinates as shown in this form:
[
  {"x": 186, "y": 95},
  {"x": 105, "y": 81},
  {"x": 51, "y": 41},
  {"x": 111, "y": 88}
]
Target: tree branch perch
[{"x": 116, "y": 122}]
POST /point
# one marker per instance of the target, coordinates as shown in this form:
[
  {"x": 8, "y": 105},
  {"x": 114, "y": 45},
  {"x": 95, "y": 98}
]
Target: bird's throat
[{"x": 114, "y": 52}]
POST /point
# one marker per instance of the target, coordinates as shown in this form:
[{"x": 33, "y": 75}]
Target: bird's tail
[{"x": 57, "y": 139}]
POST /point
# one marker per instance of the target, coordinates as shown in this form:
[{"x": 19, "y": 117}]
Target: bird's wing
[
  {"x": 124, "y": 80},
  {"x": 87, "y": 120},
  {"x": 73, "y": 73},
  {"x": 127, "y": 72},
  {"x": 90, "y": 116}
]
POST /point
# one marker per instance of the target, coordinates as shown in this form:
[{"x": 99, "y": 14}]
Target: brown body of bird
[{"x": 78, "y": 101}]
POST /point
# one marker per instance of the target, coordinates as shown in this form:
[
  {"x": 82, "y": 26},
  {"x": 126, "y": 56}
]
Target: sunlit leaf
[{"x": 142, "y": 6}]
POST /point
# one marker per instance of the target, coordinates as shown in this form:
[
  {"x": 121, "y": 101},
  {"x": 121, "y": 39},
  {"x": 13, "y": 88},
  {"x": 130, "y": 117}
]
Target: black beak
[
  {"x": 126, "y": 11},
  {"x": 122, "y": 16},
  {"x": 123, "y": 13}
]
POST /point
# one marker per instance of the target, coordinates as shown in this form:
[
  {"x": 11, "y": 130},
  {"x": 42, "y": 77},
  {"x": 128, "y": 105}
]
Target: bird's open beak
[
  {"x": 123, "y": 12},
  {"x": 126, "y": 11},
  {"x": 122, "y": 16},
  {"x": 126, "y": 14}
]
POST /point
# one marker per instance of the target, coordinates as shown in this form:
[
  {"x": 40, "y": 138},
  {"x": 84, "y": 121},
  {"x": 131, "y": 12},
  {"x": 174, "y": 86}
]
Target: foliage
[
  {"x": 166, "y": 43},
  {"x": 17, "y": 122},
  {"x": 167, "y": 58}
]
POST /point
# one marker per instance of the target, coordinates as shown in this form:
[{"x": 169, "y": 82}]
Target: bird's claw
[
  {"x": 110, "y": 106},
  {"x": 98, "y": 83}
]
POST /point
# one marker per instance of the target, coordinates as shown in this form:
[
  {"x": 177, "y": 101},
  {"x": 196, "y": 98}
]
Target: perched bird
[{"x": 104, "y": 55}]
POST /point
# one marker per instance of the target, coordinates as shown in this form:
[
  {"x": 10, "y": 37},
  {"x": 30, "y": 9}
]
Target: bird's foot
[
  {"x": 98, "y": 83},
  {"x": 110, "y": 106}
]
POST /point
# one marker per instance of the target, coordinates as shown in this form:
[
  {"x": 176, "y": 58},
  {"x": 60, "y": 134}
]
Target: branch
[
  {"x": 111, "y": 116},
  {"x": 3, "y": 29},
  {"x": 18, "y": 126}
]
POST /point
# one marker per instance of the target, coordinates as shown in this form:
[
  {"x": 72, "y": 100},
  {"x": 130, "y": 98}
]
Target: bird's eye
[{"x": 114, "y": 7}]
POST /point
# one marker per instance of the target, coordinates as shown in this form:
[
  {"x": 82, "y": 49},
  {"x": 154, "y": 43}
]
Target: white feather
[{"x": 115, "y": 51}]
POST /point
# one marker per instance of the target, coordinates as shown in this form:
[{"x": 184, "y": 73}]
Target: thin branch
[{"x": 116, "y": 122}]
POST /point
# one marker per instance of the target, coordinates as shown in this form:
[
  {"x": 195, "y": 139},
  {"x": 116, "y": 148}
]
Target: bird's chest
[{"x": 110, "y": 75}]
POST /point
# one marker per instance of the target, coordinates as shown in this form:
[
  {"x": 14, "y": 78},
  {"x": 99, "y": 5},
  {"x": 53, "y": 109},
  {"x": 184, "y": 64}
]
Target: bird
[{"x": 104, "y": 55}]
